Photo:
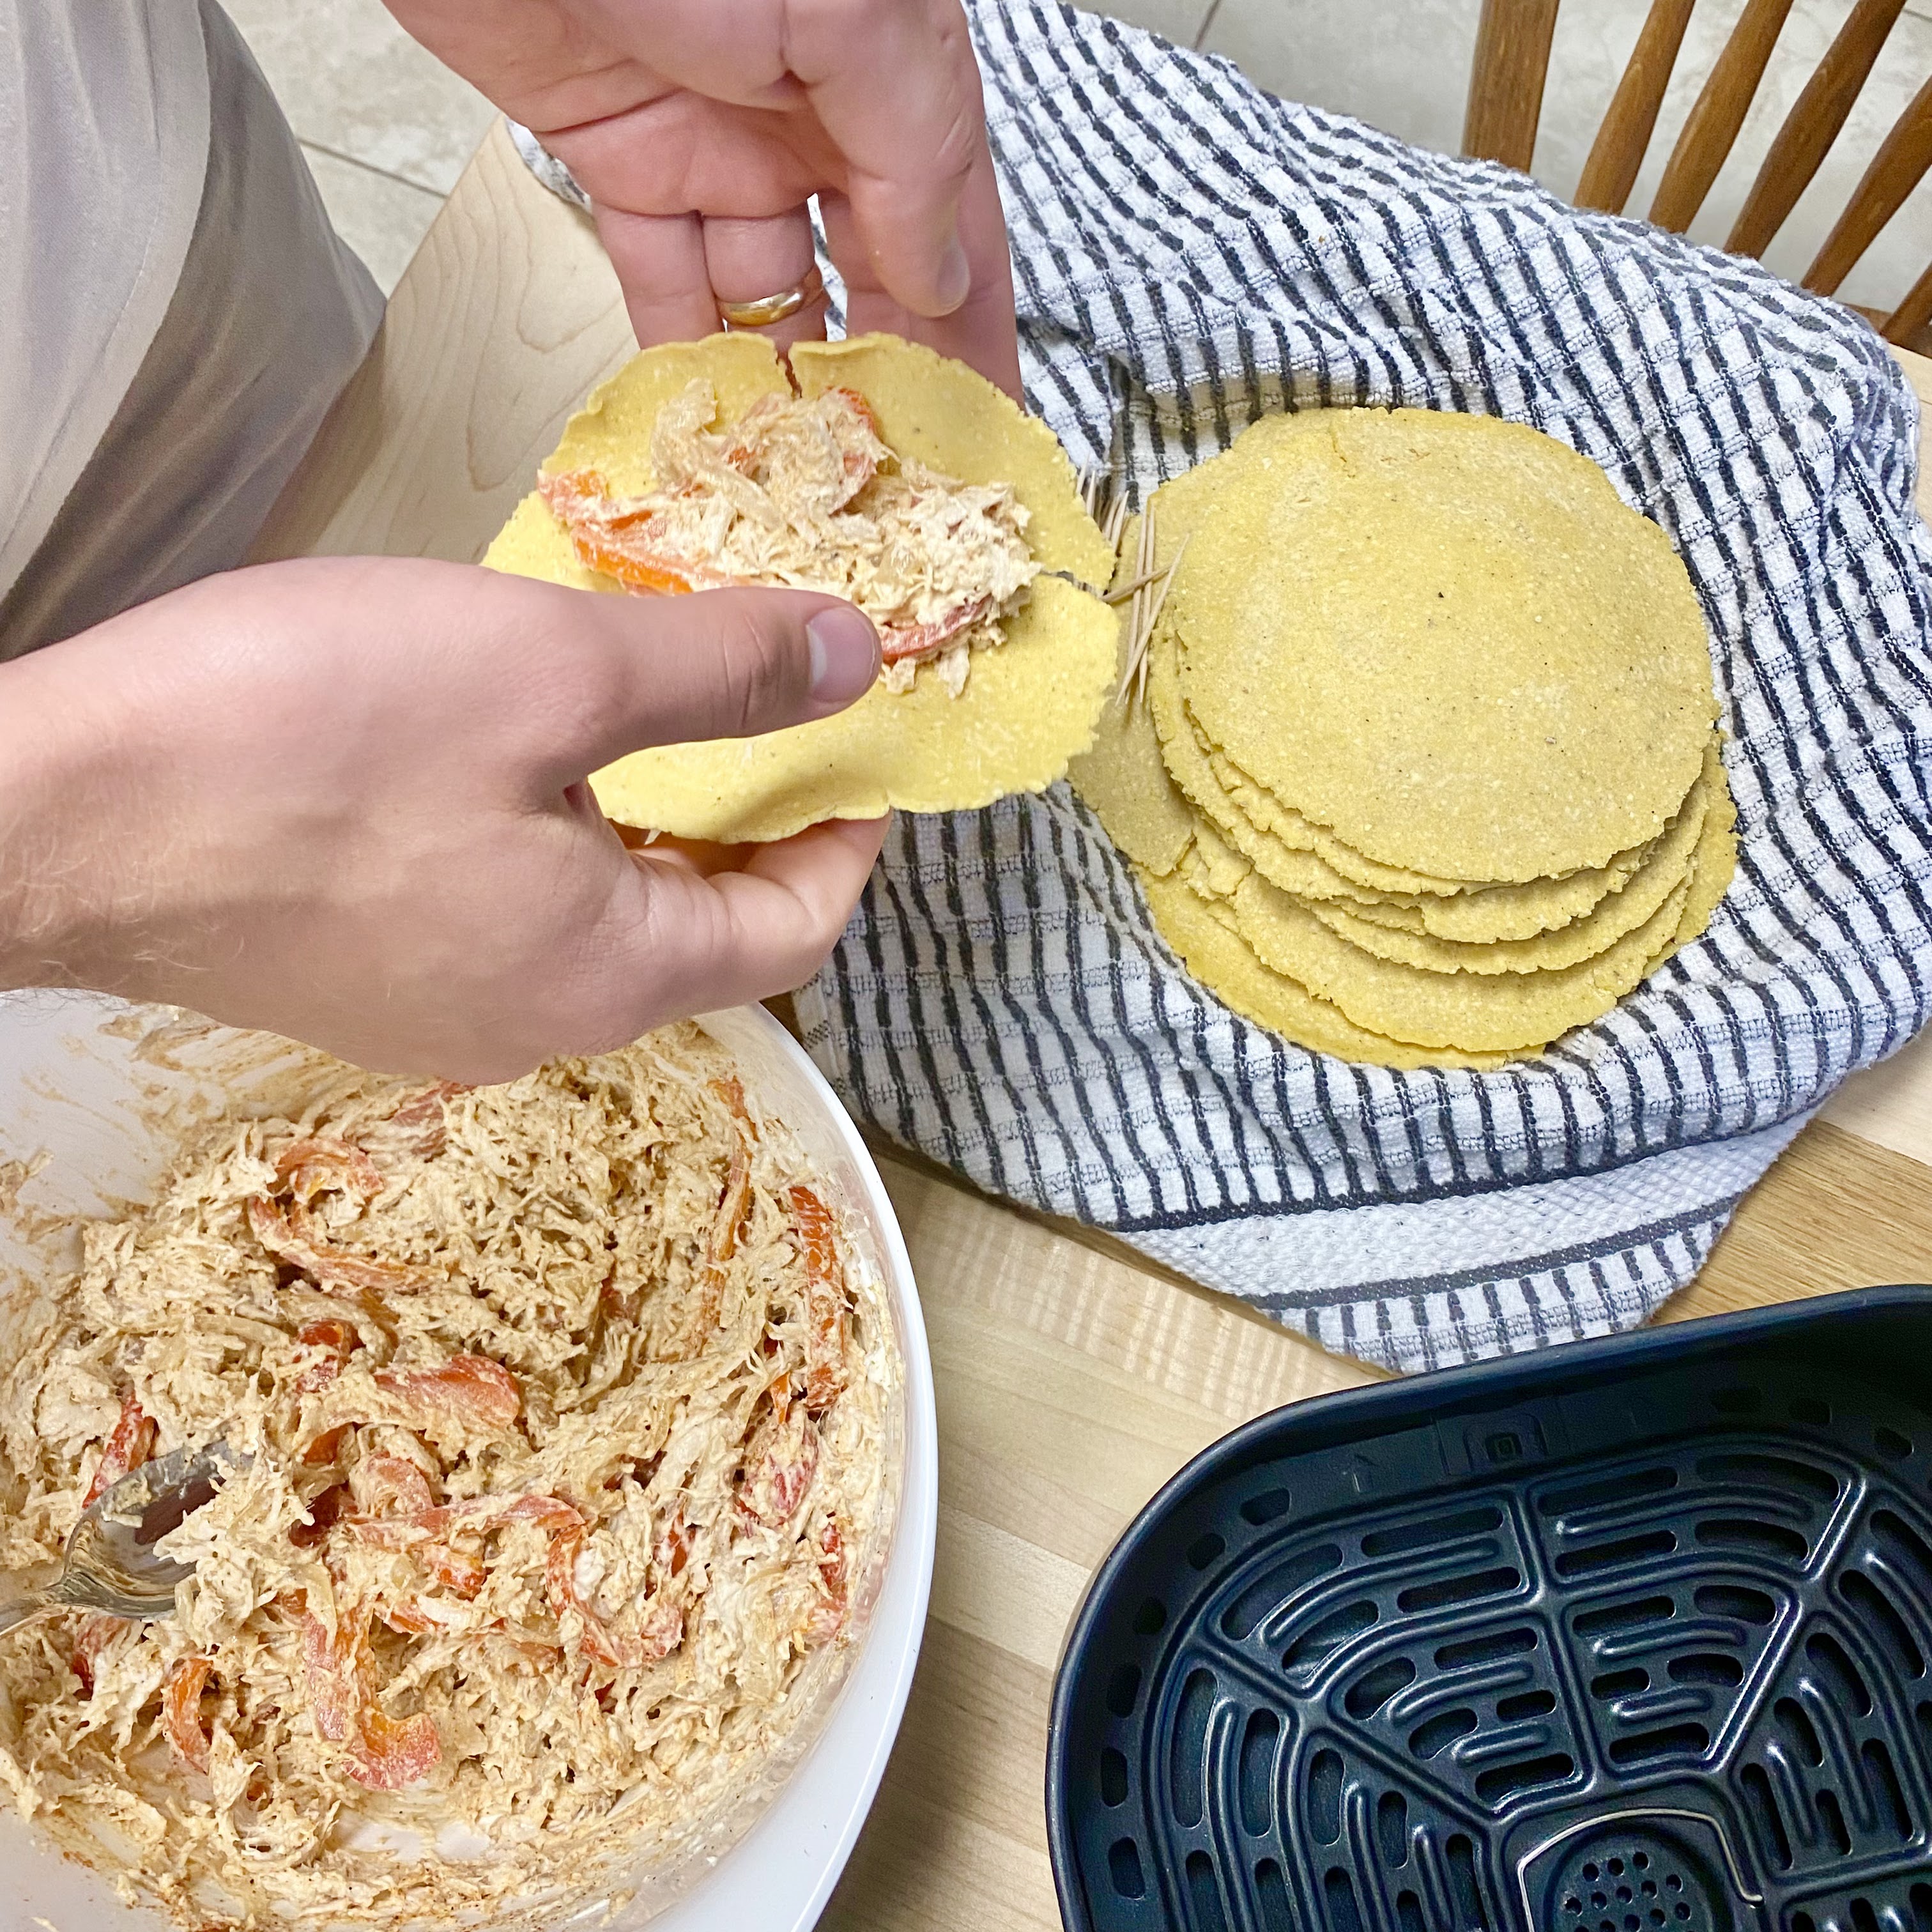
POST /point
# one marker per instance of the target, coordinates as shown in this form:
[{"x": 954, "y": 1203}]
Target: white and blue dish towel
[{"x": 1190, "y": 253}]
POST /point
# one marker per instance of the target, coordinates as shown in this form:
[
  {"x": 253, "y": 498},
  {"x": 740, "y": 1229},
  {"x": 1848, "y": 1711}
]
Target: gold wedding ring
[{"x": 768, "y": 310}]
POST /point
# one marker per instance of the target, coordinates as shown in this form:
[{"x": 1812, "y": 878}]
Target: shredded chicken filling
[
  {"x": 566, "y": 1405},
  {"x": 804, "y": 493}
]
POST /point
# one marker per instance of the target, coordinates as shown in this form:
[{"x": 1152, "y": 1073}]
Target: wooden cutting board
[{"x": 1073, "y": 1376}]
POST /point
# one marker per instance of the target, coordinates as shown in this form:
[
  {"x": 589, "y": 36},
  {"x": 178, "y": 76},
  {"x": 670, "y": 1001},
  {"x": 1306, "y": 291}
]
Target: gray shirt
[{"x": 176, "y": 313}]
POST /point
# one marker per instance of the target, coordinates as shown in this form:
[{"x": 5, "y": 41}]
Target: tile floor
[{"x": 387, "y": 129}]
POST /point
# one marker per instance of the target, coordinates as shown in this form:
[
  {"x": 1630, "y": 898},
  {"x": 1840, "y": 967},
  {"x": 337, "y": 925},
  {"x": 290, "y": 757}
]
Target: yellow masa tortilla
[
  {"x": 1471, "y": 915},
  {"x": 1615, "y": 914},
  {"x": 1448, "y": 640},
  {"x": 1506, "y": 1013},
  {"x": 1029, "y": 705},
  {"x": 1204, "y": 933}
]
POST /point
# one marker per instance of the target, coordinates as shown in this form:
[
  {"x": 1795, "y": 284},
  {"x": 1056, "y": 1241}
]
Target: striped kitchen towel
[{"x": 1190, "y": 252}]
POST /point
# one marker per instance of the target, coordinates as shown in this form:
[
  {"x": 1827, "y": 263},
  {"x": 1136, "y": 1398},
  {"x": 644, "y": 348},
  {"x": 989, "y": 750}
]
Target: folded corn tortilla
[{"x": 1029, "y": 705}]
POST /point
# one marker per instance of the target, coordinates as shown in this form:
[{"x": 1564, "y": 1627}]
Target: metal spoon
[{"x": 110, "y": 1565}]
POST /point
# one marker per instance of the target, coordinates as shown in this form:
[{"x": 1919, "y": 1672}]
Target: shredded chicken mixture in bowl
[{"x": 566, "y": 1415}]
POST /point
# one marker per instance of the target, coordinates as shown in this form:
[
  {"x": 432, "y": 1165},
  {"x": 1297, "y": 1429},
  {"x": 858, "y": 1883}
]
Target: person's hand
[
  {"x": 699, "y": 128},
  {"x": 344, "y": 800}
]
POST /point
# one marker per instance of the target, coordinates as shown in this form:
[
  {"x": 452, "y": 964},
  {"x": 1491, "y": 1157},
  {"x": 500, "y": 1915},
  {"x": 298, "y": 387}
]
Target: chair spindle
[
  {"x": 1505, "y": 102},
  {"x": 1896, "y": 169},
  {"x": 1812, "y": 125},
  {"x": 1617, "y": 154},
  {"x": 1718, "y": 115}
]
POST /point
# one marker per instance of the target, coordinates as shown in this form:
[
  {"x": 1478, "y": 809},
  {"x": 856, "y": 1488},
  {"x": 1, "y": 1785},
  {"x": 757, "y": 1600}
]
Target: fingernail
[
  {"x": 956, "y": 278},
  {"x": 845, "y": 654}
]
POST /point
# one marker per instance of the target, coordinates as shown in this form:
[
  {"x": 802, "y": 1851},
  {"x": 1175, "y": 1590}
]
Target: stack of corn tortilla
[{"x": 1422, "y": 768}]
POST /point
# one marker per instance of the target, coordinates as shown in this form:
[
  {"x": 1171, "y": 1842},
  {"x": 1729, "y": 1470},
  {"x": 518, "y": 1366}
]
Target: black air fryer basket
[{"x": 1629, "y": 1635}]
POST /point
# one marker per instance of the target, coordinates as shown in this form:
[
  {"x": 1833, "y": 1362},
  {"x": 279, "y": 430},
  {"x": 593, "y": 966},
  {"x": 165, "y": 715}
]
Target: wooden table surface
[{"x": 1073, "y": 1378}]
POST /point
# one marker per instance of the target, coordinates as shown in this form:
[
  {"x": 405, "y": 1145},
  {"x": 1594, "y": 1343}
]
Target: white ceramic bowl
[{"x": 74, "y": 1093}]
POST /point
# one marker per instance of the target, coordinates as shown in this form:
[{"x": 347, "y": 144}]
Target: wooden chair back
[{"x": 1505, "y": 104}]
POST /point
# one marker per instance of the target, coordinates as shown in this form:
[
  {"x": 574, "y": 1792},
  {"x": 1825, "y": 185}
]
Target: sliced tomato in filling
[
  {"x": 94, "y": 1636},
  {"x": 780, "y": 1458},
  {"x": 420, "y": 1126},
  {"x": 319, "y": 1165},
  {"x": 292, "y": 1236},
  {"x": 898, "y": 643},
  {"x": 385, "y": 1754},
  {"x": 390, "y": 1485},
  {"x": 470, "y": 1389},
  {"x": 181, "y": 1710},
  {"x": 824, "y": 1299},
  {"x": 627, "y": 544},
  {"x": 629, "y": 541},
  {"x": 389, "y": 1753},
  {"x": 129, "y": 1443}
]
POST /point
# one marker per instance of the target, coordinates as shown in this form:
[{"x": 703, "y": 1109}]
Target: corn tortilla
[
  {"x": 1122, "y": 779},
  {"x": 1179, "y": 508},
  {"x": 1295, "y": 854},
  {"x": 1297, "y": 870},
  {"x": 1472, "y": 915},
  {"x": 1714, "y": 868},
  {"x": 1404, "y": 628},
  {"x": 1029, "y": 705},
  {"x": 1212, "y": 948},
  {"x": 1371, "y": 958},
  {"x": 1263, "y": 811},
  {"x": 1507, "y": 1013},
  {"x": 1212, "y": 866},
  {"x": 1121, "y": 775},
  {"x": 1618, "y": 912},
  {"x": 612, "y": 432},
  {"x": 1500, "y": 1013},
  {"x": 1451, "y": 908}
]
